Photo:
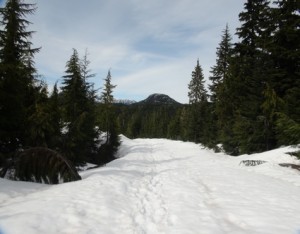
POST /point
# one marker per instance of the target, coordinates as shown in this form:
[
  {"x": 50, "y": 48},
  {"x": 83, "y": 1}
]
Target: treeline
[
  {"x": 255, "y": 89},
  {"x": 66, "y": 120},
  {"x": 252, "y": 104},
  {"x": 145, "y": 120},
  {"x": 172, "y": 121}
]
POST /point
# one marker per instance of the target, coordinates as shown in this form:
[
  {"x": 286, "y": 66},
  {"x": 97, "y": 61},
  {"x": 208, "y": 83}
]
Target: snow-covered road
[{"x": 161, "y": 186}]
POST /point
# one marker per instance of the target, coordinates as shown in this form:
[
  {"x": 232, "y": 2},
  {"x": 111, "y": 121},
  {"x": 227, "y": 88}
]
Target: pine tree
[
  {"x": 271, "y": 106},
  {"x": 79, "y": 114},
  {"x": 197, "y": 92},
  {"x": 250, "y": 68},
  {"x": 226, "y": 106},
  {"x": 16, "y": 77},
  {"x": 55, "y": 110},
  {"x": 220, "y": 70},
  {"x": 39, "y": 126},
  {"x": 198, "y": 104},
  {"x": 175, "y": 126},
  {"x": 107, "y": 97},
  {"x": 285, "y": 50},
  {"x": 109, "y": 120},
  {"x": 86, "y": 74}
]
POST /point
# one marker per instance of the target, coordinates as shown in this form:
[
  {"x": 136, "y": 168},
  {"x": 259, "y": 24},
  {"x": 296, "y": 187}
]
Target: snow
[{"x": 162, "y": 186}]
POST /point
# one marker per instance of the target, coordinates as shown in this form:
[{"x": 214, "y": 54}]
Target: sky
[{"x": 149, "y": 46}]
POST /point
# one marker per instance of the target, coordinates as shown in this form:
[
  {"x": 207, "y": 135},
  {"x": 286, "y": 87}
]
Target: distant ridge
[
  {"x": 124, "y": 102},
  {"x": 158, "y": 99}
]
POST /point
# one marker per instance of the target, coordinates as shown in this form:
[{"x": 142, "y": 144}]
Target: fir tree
[
  {"x": 79, "y": 114},
  {"x": 197, "y": 92},
  {"x": 109, "y": 120},
  {"x": 220, "y": 70},
  {"x": 285, "y": 50},
  {"x": 55, "y": 111},
  {"x": 16, "y": 69},
  {"x": 198, "y": 104},
  {"x": 107, "y": 97},
  {"x": 250, "y": 68},
  {"x": 39, "y": 126}
]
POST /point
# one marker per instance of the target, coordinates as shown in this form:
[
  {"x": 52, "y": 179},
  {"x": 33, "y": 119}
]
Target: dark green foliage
[
  {"x": 39, "y": 126},
  {"x": 239, "y": 96},
  {"x": 108, "y": 122},
  {"x": 29, "y": 117},
  {"x": 285, "y": 49},
  {"x": 220, "y": 70},
  {"x": 16, "y": 73},
  {"x": 108, "y": 149},
  {"x": 198, "y": 129},
  {"x": 271, "y": 105},
  {"x": 251, "y": 68},
  {"x": 175, "y": 126},
  {"x": 79, "y": 139},
  {"x": 255, "y": 84},
  {"x": 285, "y": 76},
  {"x": 150, "y": 120},
  {"x": 288, "y": 130},
  {"x": 296, "y": 154},
  {"x": 55, "y": 111},
  {"x": 44, "y": 166},
  {"x": 219, "y": 73},
  {"x": 197, "y": 92}
]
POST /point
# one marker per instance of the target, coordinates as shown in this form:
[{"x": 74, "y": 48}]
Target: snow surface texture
[{"x": 161, "y": 186}]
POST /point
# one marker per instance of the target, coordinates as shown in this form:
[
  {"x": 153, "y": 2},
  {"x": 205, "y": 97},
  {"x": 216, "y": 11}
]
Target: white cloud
[{"x": 151, "y": 46}]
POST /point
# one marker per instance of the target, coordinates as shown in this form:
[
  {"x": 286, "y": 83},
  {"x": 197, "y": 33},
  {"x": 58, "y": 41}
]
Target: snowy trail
[{"x": 161, "y": 186}]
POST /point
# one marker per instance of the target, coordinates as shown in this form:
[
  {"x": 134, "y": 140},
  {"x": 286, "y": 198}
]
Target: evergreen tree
[
  {"x": 79, "y": 114},
  {"x": 197, "y": 92},
  {"x": 226, "y": 106},
  {"x": 16, "y": 73},
  {"x": 86, "y": 74},
  {"x": 271, "y": 106},
  {"x": 285, "y": 50},
  {"x": 220, "y": 70},
  {"x": 109, "y": 121},
  {"x": 198, "y": 104},
  {"x": 174, "y": 128},
  {"x": 107, "y": 95},
  {"x": 55, "y": 111},
  {"x": 249, "y": 71},
  {"x": 39, "y": 128}
]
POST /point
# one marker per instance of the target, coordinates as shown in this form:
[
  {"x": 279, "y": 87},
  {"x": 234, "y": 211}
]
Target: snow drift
[{"x": 162, "y": 186}]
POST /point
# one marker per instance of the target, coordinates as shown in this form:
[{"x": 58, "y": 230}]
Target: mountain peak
[{"x": 159, "y": 99}]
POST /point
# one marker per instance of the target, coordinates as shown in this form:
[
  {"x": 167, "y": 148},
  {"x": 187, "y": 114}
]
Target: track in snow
[{"x": 159, "y": 186}]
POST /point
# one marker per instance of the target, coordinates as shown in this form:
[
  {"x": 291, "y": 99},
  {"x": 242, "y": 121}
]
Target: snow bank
[{"x": 161, "y": 186}]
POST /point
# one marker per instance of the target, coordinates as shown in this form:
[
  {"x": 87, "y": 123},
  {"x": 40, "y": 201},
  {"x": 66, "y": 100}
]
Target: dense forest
[{"x": 252, "y": 104}]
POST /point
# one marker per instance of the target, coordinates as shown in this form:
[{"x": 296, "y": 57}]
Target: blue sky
[{"x": 150, "y": 46}]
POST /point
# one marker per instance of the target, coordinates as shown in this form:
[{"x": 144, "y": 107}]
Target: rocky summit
[{"x": 159, "y": 99}]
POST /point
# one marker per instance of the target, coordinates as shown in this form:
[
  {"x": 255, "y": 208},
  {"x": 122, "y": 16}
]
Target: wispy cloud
[{"x": 151, "y": 46}]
